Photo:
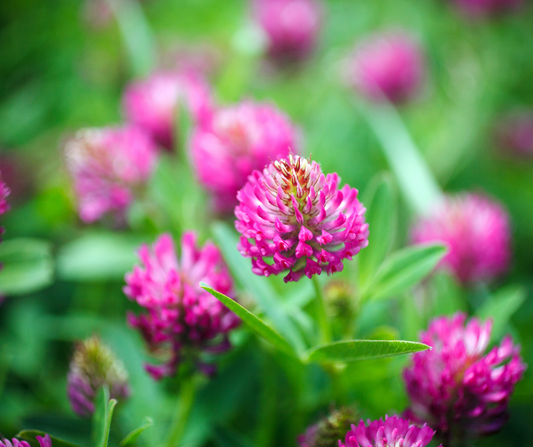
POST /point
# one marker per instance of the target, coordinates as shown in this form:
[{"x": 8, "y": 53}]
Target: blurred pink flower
[
  {"x": 294, "y": 219},
  {"x": 456, "y": 388},
  {"x": 182, "y": 319},
  {"x": 387, "y": 66},
  {"x": 45, "y": 441},
  {"x": 153, "y": 104},
  {"x": 393, "y": 432},
  {"x": 291, "y": 26},
  {"x": 483, "y": 8},
  {"x": 514, "y": 134},
  {"x": 4, "y": 192},
  {"x": 238, "y": 140},
  {"x": 108, "y": 165},
  {"x": 477, "y": 232}
]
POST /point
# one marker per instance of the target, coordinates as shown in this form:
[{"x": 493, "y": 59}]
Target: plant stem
[
  {"x": 182, "y": 411},
  {"x": 323, "y": 323}
]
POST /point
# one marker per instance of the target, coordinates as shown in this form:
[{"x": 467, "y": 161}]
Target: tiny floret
[
  {"x": 392, "y": 432},
  {"x": 108, "y": 166},
  {"x": 459, "y": 388},
  {"x": 93, "y": 366},
  {"x": 182, "y": 320},
  {"x": 477, "y": 232},
  {"x": 295, "y": 219}
]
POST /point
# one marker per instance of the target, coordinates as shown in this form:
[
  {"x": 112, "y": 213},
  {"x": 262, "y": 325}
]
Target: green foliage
[
  {"x": 132, "y": 436},
  {"x": 352, "y": 350},
  {"x": 27, "y": 266},
  {"x": 403, "y": 269},
  {"x": 30, "y": 435},
  {"x": 103, "y": 415}
]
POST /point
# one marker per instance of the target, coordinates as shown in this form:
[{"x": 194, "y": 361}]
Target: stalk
[
  {"x": 182, "y": 412},
  {"x": 323, "y": 323}
]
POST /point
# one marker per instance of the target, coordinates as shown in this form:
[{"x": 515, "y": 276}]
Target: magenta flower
[
  {"x": 456, "y": 388},
  {"x": 393, "y": 432},
  {"x": 294, "y": 219},
  {"x": 477, "y": 232},
  {"x": 45, "y": 441},
  {"x": 182, "y": 319},
  {"x": 239, "y": 140},
  {"x": 153, "y": 103},
  {"x": 93, "y": 366},
  {"x": 484, "y": 8},
  {"x": 291, "y": 26},
  {"x": 4, "y": 192},
  {"x": 387, "y": 66},
  {"x": 514, "y": 134},
  {"x": 108, "y": 165}
]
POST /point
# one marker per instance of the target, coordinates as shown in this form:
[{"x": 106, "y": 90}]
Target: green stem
[
  {"x": 323, "y": 323},
  {"x": 181, "y": 414}
]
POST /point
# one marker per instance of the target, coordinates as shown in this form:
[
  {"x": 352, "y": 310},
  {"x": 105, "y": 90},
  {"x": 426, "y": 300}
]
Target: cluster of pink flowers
[
  {"x": 108, "y": 165},
  {"x": 238, "y": 140},
  {"x": 297, "y": 219},
  {"x": 514, "y": 134},
  {"x": 477, "y": 233},
  {"x": 153, "y": 104},
  {"x": 291, "y": 26},
  {"x": 45, "y": 441},
  {"x": 456, "y": 388},
  {"x": 182, "y": 319},
  {"x": 387, "y": 66},
  {"x": 392, "y": 432},
  {"x": 484, "y": 8}
]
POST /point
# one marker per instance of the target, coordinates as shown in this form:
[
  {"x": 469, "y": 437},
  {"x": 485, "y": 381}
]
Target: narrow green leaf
[
  {"x": 27, "y": 266},
  {"x": 29, "y": 435},
  {"x": 403, "y": 269},
  {"x": 500, "y": 307},
  {"x": 410, "y": 169},
  {"x": 380, "y": 202},
  {"x": 251, "y": 320},
  {"x": 98, "y": 256},
  {"x": 349, "y": 351},
  {"x": 132, "y": 436},
  {"x": 267, "y": 299},
  {"x": 109, "y": 417}
]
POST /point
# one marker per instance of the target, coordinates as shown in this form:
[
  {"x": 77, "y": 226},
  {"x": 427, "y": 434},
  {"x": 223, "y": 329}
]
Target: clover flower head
[
  {"x": 459, "y": 388},
  {"x": 153, "y": 104},
  {"x": 4, "y": 193},
  {"x": 108, "y": 165},
  {"x": 388, "y": 66},
  {"x": 238, "y": 140},
  {"x": 328, "y": 431},
  {"x": 392, "y": 432},
  {"x": 294, "y": 219},
  {"x": 291, "y": 27},
  {"x": 477, "y": 232},
  {"x": 93, "y": 366},
  {"x": 182, "y": 320},
  {"x": 44, "y": 441}
]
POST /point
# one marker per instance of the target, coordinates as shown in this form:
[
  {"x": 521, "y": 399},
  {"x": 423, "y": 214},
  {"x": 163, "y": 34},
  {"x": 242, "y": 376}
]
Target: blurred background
[{"x": 64, "y": 66}]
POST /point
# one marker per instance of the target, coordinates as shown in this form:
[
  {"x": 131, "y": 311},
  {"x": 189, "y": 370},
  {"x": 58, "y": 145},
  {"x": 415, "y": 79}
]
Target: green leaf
[
  {"x": 224, "y": 437},
  {"x": 251, "y": 320},
  {"x": 410, "y": 169},
  {"x": 403, "y": 269},
  {"x": 131, "y": 437},
  {"x": 103, "y": 416},
  {"x": 349, "y": 351},
  {"x": 380, "y": 202},
  {"x": 267, "y": 299},
  {"x": 27, "y": 266},
  {"x": 500, "y": 307},
  {"x": 98, "y": 256},
  {"x": 29, "y": 435}
]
